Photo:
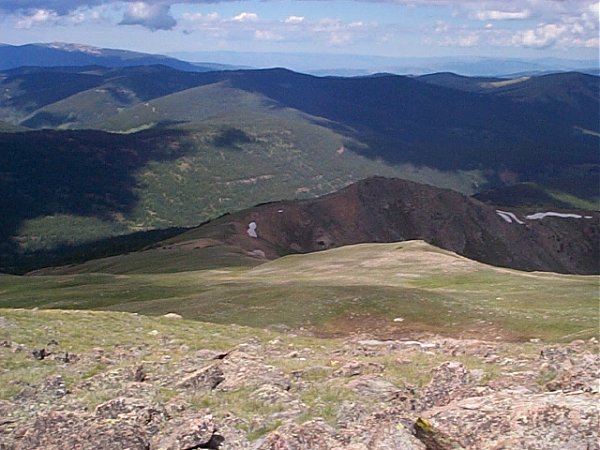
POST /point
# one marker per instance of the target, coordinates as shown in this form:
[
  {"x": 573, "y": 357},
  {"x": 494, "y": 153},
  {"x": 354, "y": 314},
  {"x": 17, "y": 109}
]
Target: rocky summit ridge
[
  {"x": 123, "y": 381},
  {"x": 380, "y": 209}
]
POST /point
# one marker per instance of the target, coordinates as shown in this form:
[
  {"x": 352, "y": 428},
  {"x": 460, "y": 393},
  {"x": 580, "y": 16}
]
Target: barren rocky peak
[
  {"x": 272, "y": 391},
  {"x": 389, "y": 210}
]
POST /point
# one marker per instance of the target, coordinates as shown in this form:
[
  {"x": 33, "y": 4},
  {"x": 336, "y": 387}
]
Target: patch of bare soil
[{"x": 381, "y": 327}]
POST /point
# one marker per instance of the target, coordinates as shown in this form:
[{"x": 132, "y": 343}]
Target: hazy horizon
[
  {"x": 474, "y": 65},
  {"x": 529, "y": 29}
]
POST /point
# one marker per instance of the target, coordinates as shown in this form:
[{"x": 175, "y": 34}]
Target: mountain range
[
  {"x": 361, "y": 65},
  {"x": 64, "y": 54},
  {"x": 69, "y": 54},
  {"x": 117, "y": 150},
  {"x": 198, "y": 256}
]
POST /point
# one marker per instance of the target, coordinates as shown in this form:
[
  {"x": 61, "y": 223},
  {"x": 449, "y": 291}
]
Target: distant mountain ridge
[
  {"x": 62, "y": 54},
  {"x": 360, "y": 65},
  {"x": 72, "y": 54},
  {"x": 399, "y": 118},
  {"x": 189, "y": 146}
]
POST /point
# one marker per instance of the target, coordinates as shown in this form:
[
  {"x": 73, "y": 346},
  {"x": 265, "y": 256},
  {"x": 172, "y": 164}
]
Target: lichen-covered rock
[
  {"x": 432, "y": 438},
  {"x": 65, "y": 430},
  {"x": 312, "y": 435},
  {"x": 375, "y": 387},
  {"x": 569, "y": 371},
  {"x": 355, "y": 368},
  {"x": 55, "y": 386},
  {"x": 174, "y": 394},
  {"x": 151, "y": 417},
  {"x": 385, "y": 430},
  {"x": 290, "y": 406},
  {"x": 189, "y": 433},
  {"x": 449, "y": 382},
  {"x": 206, "y": 378},
  {"x": 520, "y": 420},
  {"x": 241, "y": 369},
  {"x": 350, "y": 413}
]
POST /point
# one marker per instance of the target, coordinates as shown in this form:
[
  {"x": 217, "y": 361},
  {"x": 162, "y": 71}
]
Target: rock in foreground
[{"x": 215, "y": 387}]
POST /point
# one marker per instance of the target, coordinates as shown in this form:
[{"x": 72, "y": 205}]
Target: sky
[{"x": 394, "y": 28}]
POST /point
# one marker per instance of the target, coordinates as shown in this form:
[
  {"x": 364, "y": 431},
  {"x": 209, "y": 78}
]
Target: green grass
[
  {"x": 63, "y": 229},
  {"x": 529, "y": 195},
  {"x": 165, "y": 259},
  {"x": 574, "y": 201},
  {"x": 165, "y": 346},
  {"x": 81, "y": 332},
  {"x": 87, "y": 108},
  {"x": 355, "y": 288},
  {"x": 240, "y": 402},
  {"x": 324, "y": 400}
]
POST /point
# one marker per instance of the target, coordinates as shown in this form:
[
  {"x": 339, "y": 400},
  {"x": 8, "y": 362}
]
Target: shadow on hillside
[
  {"x": 85, "y": 173},
  {"x": 402, "y": 120},
  {"x": 64, "y": 254}
]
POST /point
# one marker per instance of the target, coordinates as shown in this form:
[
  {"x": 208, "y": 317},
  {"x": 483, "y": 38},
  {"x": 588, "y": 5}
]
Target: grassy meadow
[{"x": 397, "y": 290}]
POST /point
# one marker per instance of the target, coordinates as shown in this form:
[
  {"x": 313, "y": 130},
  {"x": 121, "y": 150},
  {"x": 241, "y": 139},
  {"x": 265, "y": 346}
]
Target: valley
[{"x": 186, "y": 147}]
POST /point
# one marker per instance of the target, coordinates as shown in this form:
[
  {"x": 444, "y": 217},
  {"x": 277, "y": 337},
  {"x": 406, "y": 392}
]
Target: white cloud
[
  {"x": 468, "y": 40},
  {"x": 441, "y": 27},
  {"x": 293, "y": 29},
  {"x": 338, "y": 33},
  {"x": 193, "y": 17},
  {"x": 59, "y": 7},
  {"x": 358, "y": 24},
  {"x": 462, "y": 39},
  {"x": 563, "y": 24},
  {"x": 48, "y": 17},
  {"x": 200, "y": 18},
  {"x": 245, "y": 17},
  {"x": 327, "y": 25},
  {"x": 559, "y": 24},
  {"x": 294, "y": 20},
  {"x": 586, "y": 43},
  {"x": 266, "y": 35},
  {"x": 577, "y": 29},
  {"x": 337, "y": 38},
  {"x": 154, "y": 17},
  {"x": 542, "y": 36},
  {"x": 493, "y": 14},
  {"x": 38, "y": 17}
]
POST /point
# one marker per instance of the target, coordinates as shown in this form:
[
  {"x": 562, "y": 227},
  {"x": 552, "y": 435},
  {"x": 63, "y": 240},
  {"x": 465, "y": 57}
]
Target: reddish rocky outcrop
[{"x": 390, "y": 210}]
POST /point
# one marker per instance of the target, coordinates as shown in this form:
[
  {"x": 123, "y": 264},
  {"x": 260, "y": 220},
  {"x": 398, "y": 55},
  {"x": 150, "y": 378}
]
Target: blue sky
[{"x": 528, "y": 28}]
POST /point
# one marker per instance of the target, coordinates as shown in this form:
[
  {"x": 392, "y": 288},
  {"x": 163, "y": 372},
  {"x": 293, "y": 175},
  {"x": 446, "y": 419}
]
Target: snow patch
[
  {"x": 258, "y": 254},
  {"x": 509, "y": 217},
  {"x": 498, "y": 84},
  {"x": 541, "y": 215},
  {"x": 252, "y": 230}
]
